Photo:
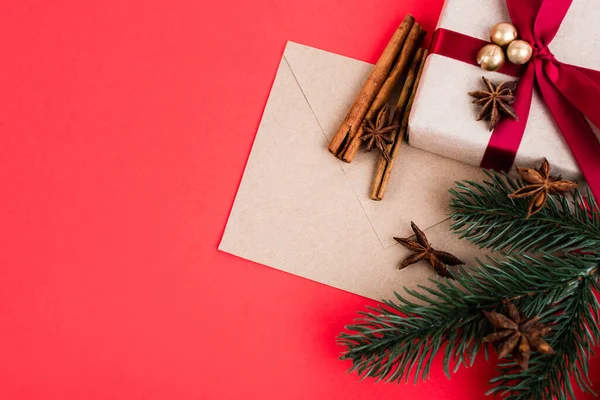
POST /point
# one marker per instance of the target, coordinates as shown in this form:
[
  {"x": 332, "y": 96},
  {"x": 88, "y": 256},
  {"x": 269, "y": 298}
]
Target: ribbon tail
[
  {"x": 575, "y": 129},
  {"x": 523, "y": 14},
  {"x": 580, "y": 86},
  {"x": 549, "y": 18}
]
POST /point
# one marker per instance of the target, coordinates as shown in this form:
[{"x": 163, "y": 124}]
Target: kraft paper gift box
[
  {"x": 301, "y": 210},
  {"x": 443, "y": 116}
]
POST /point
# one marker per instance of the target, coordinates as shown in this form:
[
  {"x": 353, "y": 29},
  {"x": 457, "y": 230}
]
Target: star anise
[
  {"x": 541, "y": 184},
  {"x": 378, "y": 134},
  {"x": 496, "y": 100},
  {"x": 423, "y": 251},
  {"x": 515, "y": 329}
]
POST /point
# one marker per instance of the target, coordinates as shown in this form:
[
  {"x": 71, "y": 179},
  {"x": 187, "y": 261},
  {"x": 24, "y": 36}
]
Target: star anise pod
[
  {"x": 540, "y": 185},
  {"x": 423, "y": 251},
  {"x": 518, "y": 334},
  {"x": 378, "y": 134},
  {"x": 496, "y": 100}
]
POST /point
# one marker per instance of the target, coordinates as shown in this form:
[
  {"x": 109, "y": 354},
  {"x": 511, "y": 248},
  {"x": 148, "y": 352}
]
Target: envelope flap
[{"x": 418, "y": 190}]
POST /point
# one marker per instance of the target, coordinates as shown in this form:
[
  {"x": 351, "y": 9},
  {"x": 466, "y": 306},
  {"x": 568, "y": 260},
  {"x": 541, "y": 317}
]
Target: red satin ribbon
[{"x": 570, "y": 92}]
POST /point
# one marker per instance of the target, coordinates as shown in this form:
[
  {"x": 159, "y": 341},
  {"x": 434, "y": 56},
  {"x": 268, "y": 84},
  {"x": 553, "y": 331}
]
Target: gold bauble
[
  {"x": 503, "y": 34},
  {"x": 491, "y": 57},
  {"x": 519, "y": 52}
]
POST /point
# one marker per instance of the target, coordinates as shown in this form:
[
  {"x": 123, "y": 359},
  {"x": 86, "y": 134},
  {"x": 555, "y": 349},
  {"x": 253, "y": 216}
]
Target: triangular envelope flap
[{"x": 418, "y": 189}]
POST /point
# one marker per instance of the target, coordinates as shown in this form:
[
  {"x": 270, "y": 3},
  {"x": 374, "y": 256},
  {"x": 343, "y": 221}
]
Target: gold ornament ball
[
  {"x": 519, "y": 52},
  {"x": 491, "y": 57},
  {"x": 503, "y": 34}
]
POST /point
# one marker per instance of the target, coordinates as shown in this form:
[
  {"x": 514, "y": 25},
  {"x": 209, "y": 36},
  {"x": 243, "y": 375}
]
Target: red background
[{"x": 124, "y": 130}]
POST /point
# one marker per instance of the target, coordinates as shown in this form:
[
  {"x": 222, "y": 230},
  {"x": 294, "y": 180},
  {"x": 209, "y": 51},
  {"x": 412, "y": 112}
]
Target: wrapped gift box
[{"x": 443, "y": 118}]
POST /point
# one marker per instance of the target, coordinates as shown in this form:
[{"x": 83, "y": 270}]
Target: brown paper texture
[
  {"x": 443, "y": 117},
  {"x": 300, "y": 210}
]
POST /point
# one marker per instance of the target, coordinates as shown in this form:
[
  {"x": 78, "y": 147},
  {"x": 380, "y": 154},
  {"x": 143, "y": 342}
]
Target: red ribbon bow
[{"x": 571, "y": 93}]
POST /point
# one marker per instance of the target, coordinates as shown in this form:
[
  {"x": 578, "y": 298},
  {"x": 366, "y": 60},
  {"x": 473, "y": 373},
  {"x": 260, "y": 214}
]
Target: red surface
[{"x": 124, "y": 130}]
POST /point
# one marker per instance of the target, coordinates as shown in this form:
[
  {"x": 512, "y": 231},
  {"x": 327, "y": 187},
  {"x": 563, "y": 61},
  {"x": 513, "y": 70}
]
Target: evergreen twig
[
  {"x": 401, "y": 337},
  {"x": 483, "y": 214}
]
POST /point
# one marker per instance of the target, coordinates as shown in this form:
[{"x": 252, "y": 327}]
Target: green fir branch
[
  {"x": 388, "y": 346},
  {"x": 485, "y": 215},
  {"x": 401, "y": 338}
]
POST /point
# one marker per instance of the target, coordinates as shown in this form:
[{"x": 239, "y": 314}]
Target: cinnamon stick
[
  {"x": 355, "y": 116},
  {"x": 396, "y": 119},
  {"x": 401, "y": 134},
  {"x": 407, "y": 54}
]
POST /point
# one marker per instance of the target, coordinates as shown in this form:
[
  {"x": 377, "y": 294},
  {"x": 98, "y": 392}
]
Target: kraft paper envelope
[{"x": 300, "y": 210}]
